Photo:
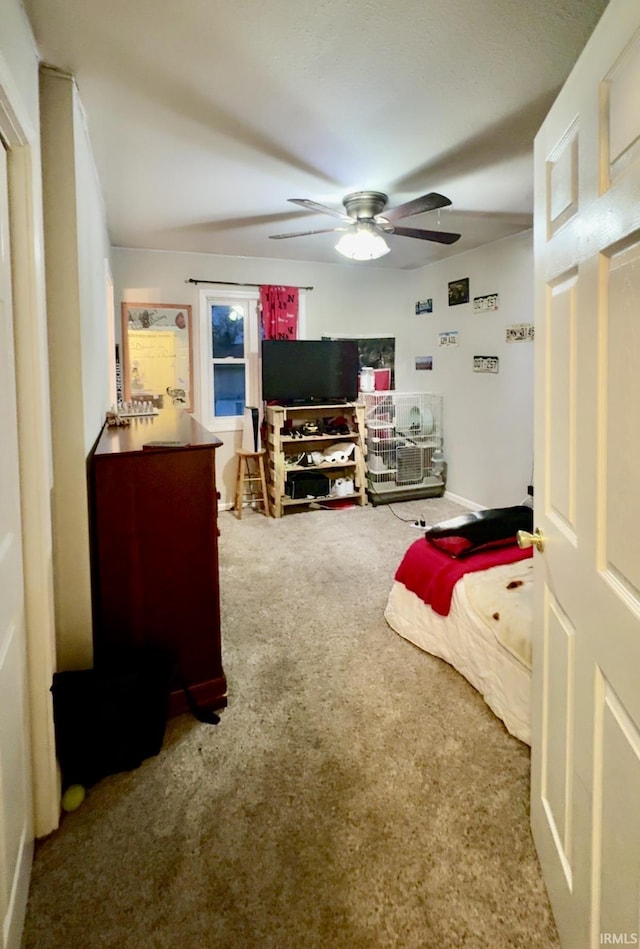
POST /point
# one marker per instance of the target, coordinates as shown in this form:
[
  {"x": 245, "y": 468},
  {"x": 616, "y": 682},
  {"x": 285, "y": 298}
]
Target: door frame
[{"x": 34, "y": 438}]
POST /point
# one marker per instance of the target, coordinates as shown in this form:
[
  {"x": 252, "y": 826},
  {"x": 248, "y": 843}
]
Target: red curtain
[{"x": 279, "y": 308}]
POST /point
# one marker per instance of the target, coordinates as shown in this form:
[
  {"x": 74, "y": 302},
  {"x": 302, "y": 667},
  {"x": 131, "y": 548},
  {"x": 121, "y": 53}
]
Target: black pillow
[{"x": 480, "y": 530}]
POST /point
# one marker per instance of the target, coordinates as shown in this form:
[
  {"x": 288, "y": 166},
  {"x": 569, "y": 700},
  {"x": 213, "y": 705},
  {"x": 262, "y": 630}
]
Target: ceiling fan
[{"x": 365, "y": 222}]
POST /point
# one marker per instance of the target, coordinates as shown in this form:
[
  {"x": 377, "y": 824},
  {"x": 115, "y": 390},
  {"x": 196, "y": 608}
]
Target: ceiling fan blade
[
  {"x": 441, "y": 237},
  {"x": 324, "y": 230},
  {"x": 428, "y": 202},
  {"x": 313, "y": 206}
]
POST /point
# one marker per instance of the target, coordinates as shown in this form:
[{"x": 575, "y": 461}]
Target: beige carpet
[{"x": 357, "y": 793}]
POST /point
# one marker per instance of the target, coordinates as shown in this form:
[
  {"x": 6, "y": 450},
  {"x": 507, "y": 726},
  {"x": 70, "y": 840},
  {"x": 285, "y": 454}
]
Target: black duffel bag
[{"x": 480, "y": 530}]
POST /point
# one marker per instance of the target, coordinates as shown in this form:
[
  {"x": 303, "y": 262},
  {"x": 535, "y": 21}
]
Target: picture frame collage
[{"x": 459, "y": 294}]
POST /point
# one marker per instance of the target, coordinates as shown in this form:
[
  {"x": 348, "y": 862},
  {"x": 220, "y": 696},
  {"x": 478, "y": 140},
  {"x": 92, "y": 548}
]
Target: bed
[{"x": 473, "y": 611}]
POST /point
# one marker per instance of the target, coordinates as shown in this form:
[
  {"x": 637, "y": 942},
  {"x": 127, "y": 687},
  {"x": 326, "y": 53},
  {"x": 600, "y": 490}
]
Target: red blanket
[{"x": 432, "y": 574}]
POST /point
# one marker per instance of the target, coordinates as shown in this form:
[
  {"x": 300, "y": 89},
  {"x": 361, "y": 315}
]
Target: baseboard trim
[{"x": 464, "y": 502}]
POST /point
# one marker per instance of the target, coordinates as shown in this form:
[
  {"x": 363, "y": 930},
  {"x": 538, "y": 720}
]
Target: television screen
[{"x": 309, "y": 370}]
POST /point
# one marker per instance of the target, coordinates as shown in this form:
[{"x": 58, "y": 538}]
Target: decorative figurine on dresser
[{"x": 154, "y": 509}]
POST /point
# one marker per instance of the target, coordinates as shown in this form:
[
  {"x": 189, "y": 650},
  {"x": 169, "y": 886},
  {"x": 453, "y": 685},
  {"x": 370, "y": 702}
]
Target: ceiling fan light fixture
[{"x": 362, "y": 242}]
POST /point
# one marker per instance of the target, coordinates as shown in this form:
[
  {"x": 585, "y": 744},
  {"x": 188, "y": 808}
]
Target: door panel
[
  {"x": 561, "y": 399},
  {"x": 558, "y": 733},
  {"x": 16, "y": 833},
  {"x": 562, "y": 181},
  {"x": 616, "y": 827},
  {"x": 13, "y": 790},
  {"x": 620, "y": 125},
  {"x": 620, "y": 379},
  {"x": 585, "y": 783}
]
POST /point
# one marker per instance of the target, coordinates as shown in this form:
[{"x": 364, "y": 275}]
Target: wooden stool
[{"x": 250, "y": 476}]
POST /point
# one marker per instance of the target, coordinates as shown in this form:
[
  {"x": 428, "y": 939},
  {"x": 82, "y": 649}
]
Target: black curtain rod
[{"x": 233, "y": 283}]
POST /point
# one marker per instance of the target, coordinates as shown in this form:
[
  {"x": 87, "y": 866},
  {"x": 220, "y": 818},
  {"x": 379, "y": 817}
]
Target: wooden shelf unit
[{"x": 281, "y": 447}]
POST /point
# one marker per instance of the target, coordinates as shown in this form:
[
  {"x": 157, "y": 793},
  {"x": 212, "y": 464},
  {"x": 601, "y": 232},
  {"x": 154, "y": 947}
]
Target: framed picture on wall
[
  {"x": 376, "y": 352},
  {"x": 459, "y": 291},
  {"x": 157, "y": 354}
]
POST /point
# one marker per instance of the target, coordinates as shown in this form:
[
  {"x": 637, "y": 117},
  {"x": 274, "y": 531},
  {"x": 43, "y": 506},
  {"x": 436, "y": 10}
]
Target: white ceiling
[{"x": 205, "y": 116}]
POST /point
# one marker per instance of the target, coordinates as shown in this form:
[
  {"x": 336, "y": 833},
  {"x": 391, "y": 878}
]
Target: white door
[
  {"x": 16, "y": 834},
  {"x": 585, "y": 798}
]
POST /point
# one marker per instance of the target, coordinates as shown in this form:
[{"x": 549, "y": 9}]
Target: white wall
[
  {"x": 76, "y": 247},
  {"x": 346, "y": 300},
  {"x": 94, "y": 264},
  {"x": 488, "y": 418},
  {"x": 19, "y": 56}
]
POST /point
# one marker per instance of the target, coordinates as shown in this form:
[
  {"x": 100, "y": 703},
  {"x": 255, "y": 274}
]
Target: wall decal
[
  {"x": 459, "y": 291},
  {"x": 424, "y": 306},
  {"x": 520, "y": 333},
  {"x": 424, "y": 362},
  {"x": 485, "y": 363},
  {"x": 486, "y": 303},
  {"x": 449, "y": 338}
]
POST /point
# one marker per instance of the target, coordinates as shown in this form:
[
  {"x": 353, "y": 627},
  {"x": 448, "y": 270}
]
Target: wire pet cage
[{"x": 404, "y": 445}]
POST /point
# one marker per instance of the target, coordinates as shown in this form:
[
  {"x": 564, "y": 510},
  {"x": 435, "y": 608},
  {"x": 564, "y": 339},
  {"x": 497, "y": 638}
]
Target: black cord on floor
[{"x": 405, "y": 520}]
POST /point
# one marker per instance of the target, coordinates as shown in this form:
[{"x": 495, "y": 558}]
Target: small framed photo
[
  {"x": 424, "y": 306},
  {"x": 459, "y": 291},
  {"x": 157, "y": 353},
  {"x": 424, "y": 362}
]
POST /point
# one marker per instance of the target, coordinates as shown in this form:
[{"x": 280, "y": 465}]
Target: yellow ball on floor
[{"x": 73, "y": 797}]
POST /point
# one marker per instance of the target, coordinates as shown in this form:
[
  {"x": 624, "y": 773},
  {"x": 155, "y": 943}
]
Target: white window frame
[{"x": 229, "y": 296}]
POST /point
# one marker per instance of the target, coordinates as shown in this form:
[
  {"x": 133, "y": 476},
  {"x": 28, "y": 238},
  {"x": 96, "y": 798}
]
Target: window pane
[
  {"x": 227, "y": 332},
  {"x": 228, "y": 390}
]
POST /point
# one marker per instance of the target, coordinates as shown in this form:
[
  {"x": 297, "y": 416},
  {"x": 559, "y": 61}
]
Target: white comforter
[
  {"x": 486, "y": 636},
  {"x": 503, "y": 598}
]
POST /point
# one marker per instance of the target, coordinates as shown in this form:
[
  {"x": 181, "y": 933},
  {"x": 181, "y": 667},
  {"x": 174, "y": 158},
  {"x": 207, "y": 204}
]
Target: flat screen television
[{"x": 307, "y": 371}]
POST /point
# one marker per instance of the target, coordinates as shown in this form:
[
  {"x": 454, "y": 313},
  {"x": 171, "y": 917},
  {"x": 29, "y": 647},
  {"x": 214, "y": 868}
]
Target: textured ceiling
[{"x": 205, "y": 116}]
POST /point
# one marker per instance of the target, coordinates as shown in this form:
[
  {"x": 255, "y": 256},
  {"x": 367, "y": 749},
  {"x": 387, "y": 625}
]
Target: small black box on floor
[{"x": 109, "y": 719}]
